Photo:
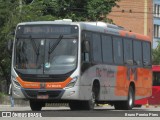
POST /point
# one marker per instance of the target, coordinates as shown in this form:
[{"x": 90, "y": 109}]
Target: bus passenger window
[
  {"x": 96, "y": 48},
  {"x": 85, "y": 46},
  {"x": 146, "y": 54},
  {"x": 137, "y": 53},
  {"x": 128, "y": 50},
  {"x": 107, "y": 51},
  {"x": 118, "y": 50}
]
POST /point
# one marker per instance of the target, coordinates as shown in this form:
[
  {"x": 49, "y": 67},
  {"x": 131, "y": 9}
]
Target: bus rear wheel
[
  {"x": 35, "y": 105},
  {"x": 126, "y": 105}
]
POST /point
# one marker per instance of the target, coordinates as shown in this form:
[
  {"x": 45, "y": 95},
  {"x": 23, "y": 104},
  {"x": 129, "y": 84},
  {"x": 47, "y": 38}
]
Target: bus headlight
[
  {"x": 72, "y": 82},
  {"x": 15, "y": 81}
]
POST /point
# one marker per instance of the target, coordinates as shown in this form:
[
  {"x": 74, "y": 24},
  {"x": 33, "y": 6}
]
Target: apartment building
[{"x": 156, "y": 22}]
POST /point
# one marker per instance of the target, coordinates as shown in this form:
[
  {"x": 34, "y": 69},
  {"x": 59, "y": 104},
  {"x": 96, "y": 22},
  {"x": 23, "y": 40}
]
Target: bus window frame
[
  {"x": 150, "y": 64},
  {"x": 123, "y": 39}
]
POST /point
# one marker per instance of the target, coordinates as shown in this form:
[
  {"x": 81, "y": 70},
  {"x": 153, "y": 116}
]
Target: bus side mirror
[
  {"x": 85, "y": 46},
  {"x": 10, "y": 46}
]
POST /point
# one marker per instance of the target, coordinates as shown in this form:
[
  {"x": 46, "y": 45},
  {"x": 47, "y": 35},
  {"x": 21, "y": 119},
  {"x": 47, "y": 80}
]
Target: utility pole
[
  {"x": 20, "y": 6},
  {"x": 32, "y": 1}
]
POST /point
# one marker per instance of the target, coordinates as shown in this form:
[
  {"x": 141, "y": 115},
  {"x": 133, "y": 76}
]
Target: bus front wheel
[
  {"x": 35, "y": 105},
  {"x": 91, "y": 103},
  {"x": 84, "y": 105}
]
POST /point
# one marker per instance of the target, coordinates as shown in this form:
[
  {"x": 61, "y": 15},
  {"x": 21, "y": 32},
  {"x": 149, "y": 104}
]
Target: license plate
[{"x": 42, "y": 96}]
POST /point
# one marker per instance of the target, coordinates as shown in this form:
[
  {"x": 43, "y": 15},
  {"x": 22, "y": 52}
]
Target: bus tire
[
  {"x": 126, "y": 105},
  {"x": 89, "y": 105},
  {"x": 36, "y": 106},
  {"x": 138, "y": 106},
  {"x": 83, "y": 105},
  {"x": 75, "y": 105}
]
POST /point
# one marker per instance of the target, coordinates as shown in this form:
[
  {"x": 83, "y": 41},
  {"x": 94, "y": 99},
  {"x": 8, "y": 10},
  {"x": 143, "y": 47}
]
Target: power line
[
  {"x": 131, "y": 5},
  {"x": 137, "y": 12},
  {"x": 133, "y": 2},
  {"x": 130, "y": 17}
]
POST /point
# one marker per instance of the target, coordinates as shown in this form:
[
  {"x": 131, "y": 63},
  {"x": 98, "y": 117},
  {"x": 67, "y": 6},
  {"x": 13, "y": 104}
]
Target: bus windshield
[{"x": 45, "y": 56}]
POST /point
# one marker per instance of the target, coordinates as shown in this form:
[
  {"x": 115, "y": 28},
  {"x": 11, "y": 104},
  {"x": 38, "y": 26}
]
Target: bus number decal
[{"x": 105, "y": 71}]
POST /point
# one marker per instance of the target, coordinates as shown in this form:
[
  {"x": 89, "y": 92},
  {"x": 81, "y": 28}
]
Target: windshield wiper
[
  {"x": 35, "y": 48},
  {"x": 53, "y": 47}
]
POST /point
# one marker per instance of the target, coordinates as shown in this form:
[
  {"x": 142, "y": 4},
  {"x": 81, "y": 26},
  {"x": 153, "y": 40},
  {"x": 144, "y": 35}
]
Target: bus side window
[
  {"x": 96, "y": 48},
  {"x": 85, "y": 46},
  {"x": 118, "y": 50},
  {"x": 107, "y": 50},
  {"x": 146, "y": 54},
  {"x": 128, "y": 51},
  {"x": 137, "y": 46}
]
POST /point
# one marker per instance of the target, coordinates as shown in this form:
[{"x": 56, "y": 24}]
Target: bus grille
[
  {"x": 52, "y": 94},
  {"x": 36, "y": 79},
  {"x": 43, "y": 77}
]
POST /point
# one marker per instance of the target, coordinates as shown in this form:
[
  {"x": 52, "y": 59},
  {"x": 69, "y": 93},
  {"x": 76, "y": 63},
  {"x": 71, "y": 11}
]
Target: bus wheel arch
[{"x": 96, "y": 89}]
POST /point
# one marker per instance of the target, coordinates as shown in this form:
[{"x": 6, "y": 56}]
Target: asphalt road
[{"x": 99, "y": 113}]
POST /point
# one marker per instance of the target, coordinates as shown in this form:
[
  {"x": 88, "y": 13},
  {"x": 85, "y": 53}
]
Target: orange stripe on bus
[
  {"x": 121, "y": 86},
  {"x": 58, "y": 85},
  {"x": 48, "y": 85},
  {"x": 33, "y": 85},
  {"x": 137, "y": 36},
  {"x": 143, "y": 83}
]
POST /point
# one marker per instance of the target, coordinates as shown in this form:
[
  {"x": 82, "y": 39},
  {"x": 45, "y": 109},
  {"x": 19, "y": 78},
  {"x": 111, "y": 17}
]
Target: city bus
[
  {"x": 154, "y": 99},
  {"x": 80, "y": 63}
]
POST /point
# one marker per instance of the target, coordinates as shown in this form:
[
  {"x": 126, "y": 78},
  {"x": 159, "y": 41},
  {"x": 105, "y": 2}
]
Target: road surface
[{"x": 101, "y": 112}]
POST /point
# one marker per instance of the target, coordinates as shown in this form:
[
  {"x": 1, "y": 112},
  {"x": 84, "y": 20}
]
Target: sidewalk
[{"x": 6, "y": 101}]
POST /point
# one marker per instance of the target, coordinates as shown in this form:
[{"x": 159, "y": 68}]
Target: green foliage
[
  {"x": 2, "y": 95},
  {"x": 95, "y": 8},
  {"x": 12, "y": 12},
  {"x": 156, "y": 55}
]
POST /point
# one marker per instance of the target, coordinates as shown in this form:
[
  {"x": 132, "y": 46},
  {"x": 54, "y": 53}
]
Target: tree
[
  {"x": 79, "y": 10},
  {"x": 5, "y": 6},
  {"x": 15, "y": 11},
  {"x": 156, "y": 55}
]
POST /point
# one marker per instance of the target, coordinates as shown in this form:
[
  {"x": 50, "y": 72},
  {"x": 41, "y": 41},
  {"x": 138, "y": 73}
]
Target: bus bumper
[{"x": 45, "y": 94}]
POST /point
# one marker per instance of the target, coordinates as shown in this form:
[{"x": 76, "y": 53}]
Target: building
[
  {"x": 134, "y": 15},
  {"x": 156, "y": 22}
]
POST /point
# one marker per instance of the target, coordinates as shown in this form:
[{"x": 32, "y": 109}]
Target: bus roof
[
  {"x": 94, "y": 26},
  {"x": 156, "y": 68}
]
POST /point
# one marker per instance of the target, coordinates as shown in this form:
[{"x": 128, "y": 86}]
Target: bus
[
  {"x": 80, "y": 63},
  {"x": 154, "y": 99}
]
